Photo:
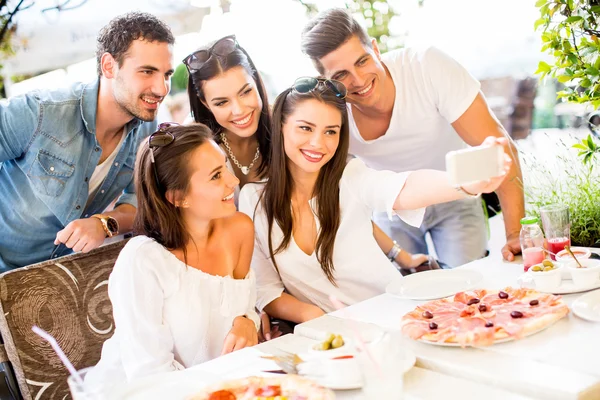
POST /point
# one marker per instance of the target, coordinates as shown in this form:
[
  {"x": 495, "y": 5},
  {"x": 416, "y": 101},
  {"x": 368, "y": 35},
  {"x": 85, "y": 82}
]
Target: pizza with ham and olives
[
  {"x": 286, "y": 387},
  {"x": 483, "y": 317}
]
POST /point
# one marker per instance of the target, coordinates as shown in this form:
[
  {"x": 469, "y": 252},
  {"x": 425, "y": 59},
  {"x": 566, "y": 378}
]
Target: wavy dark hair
[
  {"x": 277, "y": 195},
  {"x": 116, "y": 37},
  {"x": 157, "y": 217},
  {"x": 215, "y": 66}
]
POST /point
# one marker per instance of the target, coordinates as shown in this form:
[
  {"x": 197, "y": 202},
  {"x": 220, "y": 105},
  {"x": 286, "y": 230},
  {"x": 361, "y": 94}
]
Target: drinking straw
[{"x": 45, "y": 335}]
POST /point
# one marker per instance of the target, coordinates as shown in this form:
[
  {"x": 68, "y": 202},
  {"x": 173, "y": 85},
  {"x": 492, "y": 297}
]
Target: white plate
[
  {"x": 172, "y": 385},
  {"x": 434, "y": 284},
  {"x": 340, "y": 386},
  {"x": 566, "y": 285},
  {"x": 588, "y": 306}
]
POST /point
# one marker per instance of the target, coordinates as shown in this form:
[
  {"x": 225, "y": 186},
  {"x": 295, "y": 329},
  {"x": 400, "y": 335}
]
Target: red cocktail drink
[{"x": 557, "y": 244}]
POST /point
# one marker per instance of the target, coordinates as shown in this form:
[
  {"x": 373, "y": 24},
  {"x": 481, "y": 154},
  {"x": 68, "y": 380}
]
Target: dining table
[{"x": 561, "y": 362}]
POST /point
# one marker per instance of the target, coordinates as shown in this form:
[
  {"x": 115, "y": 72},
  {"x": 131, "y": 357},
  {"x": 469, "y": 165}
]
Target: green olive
[
  {"x": 548, "y": 268},
  {"x": 329, "y": 337},
  {"x": 322, "y": 346},
  {"x": 547, "y": 263},
  {"x": 536, "y": 268},
  {"x": 337, "y": 342}
]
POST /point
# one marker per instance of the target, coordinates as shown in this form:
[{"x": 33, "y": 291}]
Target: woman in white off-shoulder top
[
  {"x": 312, "y": 217},
  {"x": 182, "y": 291}
]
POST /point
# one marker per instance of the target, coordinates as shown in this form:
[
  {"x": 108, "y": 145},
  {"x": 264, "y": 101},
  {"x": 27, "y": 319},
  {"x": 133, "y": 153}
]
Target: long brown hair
[
  {"x": 157, "y": 217},
  {"x": 215, "y": 66},
  {"x": 276, "y": 198}
]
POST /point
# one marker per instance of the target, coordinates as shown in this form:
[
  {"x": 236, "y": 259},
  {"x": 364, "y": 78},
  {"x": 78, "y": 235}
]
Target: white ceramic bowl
[
  {"x": 546, "y": 280},
  {"x": 581, "y": 253},
  {"x": 586, "y": 276}
]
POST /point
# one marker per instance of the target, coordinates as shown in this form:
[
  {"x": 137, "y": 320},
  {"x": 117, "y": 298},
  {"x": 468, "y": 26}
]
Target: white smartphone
[{"x": 474, "y": 164}]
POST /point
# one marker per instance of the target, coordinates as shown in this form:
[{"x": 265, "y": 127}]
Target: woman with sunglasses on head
[
  {"x": 182, "y": 290},
  {"x": 312, "y": 217},
  {"x": 225, "y": 88},
  {"x": 227, "y": 94}
]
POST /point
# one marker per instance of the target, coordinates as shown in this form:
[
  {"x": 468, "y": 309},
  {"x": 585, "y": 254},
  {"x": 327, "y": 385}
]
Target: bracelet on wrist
[
  {"x": 463, "y": 191},
  {"x": 393, "y": 253}
]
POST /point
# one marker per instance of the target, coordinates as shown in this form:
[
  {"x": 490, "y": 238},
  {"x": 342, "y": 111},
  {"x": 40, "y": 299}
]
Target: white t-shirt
[
  {"x": 168, "y": 316},
  {"x": 101, "y": 170},
  {"x": 361, "y": 271},
  {"x": 432, "y": 91}
]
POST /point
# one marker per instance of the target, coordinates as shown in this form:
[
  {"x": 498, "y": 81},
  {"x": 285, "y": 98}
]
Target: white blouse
[
  {"x": 168, "y": 316},
  {"x": 362, "y": 270}
]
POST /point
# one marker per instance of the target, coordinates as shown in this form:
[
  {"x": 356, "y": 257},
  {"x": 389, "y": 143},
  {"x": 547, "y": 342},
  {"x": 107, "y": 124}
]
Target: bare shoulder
[{"x": 239, "y": 225}]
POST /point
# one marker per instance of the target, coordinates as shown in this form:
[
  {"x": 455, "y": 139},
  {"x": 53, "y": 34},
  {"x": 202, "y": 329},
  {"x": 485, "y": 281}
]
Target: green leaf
[
  {"x": 540, "y": 21},
  {"x": 590, "y": 142},
  {"x": 595, "y": 9},
  {"x": 579, "y": 146},
  {"x": 573, "y": 18},
  {"x": 587, "y": 158},
  {"x": 592, "y": 71},
  {"x": 543, "y": 67},
  {"x": 564, "y": 78},
  {"x": 586, "y": 83},
  {"x": 572, "y": 58},
  {"x": 546, "y": 37},
  {"x": 540, "y": 3}
]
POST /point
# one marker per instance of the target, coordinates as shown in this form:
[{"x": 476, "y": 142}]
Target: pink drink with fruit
[
  {"x": 558, "y": 244},
  {"x": 532, "y": 242},
  {"x": 532, "y": 256}
]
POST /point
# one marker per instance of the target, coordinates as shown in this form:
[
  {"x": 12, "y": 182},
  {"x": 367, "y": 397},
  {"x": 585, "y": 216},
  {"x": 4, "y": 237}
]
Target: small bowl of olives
[
  {"x": 332, "y": 345},
  {"x": 547, "y": 275}
]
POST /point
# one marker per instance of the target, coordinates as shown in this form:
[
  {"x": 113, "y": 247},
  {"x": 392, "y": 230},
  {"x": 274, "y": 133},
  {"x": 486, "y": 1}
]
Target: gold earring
[{"x": 185, "y": 204}]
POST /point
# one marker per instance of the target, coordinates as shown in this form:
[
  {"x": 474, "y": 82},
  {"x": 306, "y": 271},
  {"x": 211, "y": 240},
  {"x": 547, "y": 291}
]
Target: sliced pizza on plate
[{"x": 483, "y": 317}]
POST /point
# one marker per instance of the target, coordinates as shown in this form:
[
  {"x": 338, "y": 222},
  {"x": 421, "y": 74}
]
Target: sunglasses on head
[
  {"x": 222, "y": 47},
  {"x": 161, "y": 138},
  {"x": 308, "y": 84}
]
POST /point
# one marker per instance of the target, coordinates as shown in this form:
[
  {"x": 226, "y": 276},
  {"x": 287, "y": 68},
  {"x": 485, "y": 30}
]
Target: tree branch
[{"x": 8, "y": 21}]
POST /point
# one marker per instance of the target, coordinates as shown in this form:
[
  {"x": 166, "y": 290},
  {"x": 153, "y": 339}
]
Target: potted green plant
[{"x": 569, "y": 176}]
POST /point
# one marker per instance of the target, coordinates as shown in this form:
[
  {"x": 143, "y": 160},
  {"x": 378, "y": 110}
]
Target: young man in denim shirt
[{"x": 67, "y": 154}]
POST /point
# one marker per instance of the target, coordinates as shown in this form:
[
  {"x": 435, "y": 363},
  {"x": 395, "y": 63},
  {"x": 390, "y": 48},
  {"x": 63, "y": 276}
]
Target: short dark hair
[
  {"x": 328, "y": 31},
  {"x": 116, "y": 37}
]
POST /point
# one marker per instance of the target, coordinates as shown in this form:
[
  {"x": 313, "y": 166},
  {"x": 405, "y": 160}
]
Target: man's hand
[
  {"x": 512, "y": 247},
  {"x": 83, "y": 235},
  {"x": 242, "y": 334}
]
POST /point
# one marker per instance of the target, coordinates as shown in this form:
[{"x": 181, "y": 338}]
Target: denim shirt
[{"x": 48, "y": 152}]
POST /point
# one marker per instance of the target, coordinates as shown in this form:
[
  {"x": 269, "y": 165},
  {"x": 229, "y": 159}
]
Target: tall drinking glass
[
  {"x": 87, "y": 391},
  {"x": 384, "y": 368},
  {"x": 557, "y": 227}
]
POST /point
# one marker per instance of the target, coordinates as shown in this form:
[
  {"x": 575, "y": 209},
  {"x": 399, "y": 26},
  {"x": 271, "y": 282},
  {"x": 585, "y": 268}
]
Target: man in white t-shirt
[{"x": 408, "y": 109}]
